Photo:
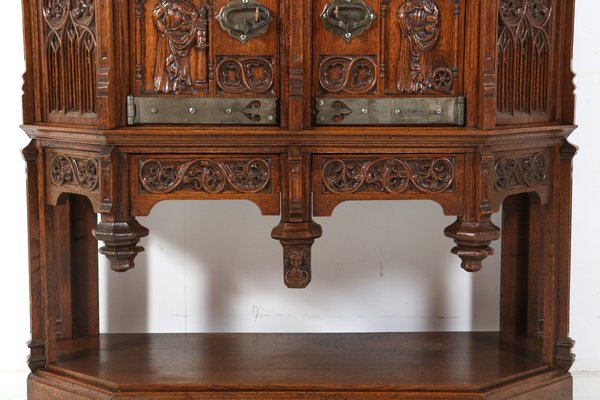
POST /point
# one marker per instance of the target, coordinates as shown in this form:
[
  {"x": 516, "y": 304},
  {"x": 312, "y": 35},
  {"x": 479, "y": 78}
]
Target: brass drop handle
[
  {"x": 347, "y": 18},
  {"x": 244, "y": 19}
]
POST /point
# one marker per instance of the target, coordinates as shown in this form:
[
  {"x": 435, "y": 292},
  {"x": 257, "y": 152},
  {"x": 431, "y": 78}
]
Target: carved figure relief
[
  {"x": 390, "y": 175},
  {"x": 245, "y": 74},
  {"x": 420, "y": 26},
  {"x": 70, "y": 59},
  {"x": 182, "y": 27},
  {"x": 74, "y": 171},
  {"x": 523, "y": 55},
  {"x": 296, "y": 267},
  {"x": 210, "y": 176},
  {"x": 351, "y": 74},
  {"x": 520, "y": 172}
]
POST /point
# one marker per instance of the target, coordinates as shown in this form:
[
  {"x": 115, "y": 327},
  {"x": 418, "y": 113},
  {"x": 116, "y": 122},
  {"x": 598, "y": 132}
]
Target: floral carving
[
  {"x": 245, "y": 74},
  {"x": 182, "y": 27},
  {"x": 210, "y": 176},
  {"x": 70, "y": 59},
  {"x": 390, "y": 175},
  {"x": 351, "y": 74},
  {"x": 520, "y": 172},
  {"x": 523, "y": 55},
  {"x": 420, "y": 26},
  {"x": 75, "y": 171},
  {"x": 443, "y": 80},
  {"x": 296, "y": 267}
]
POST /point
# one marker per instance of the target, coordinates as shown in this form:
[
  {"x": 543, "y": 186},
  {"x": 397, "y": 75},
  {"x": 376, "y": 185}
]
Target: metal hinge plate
[
  {"x": 391, "y": 111},
  {"x": 201, "y": 111}
]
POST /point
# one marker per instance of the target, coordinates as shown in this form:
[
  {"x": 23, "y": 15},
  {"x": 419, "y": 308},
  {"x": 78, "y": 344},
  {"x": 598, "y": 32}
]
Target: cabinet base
[{"x": 394, "y": 366}]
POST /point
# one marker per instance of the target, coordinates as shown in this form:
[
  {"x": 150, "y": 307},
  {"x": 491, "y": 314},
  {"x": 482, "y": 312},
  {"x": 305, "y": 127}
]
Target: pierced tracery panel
[
  {"x": 524, "y": 46},
  {"x": 70, "y": 56}
]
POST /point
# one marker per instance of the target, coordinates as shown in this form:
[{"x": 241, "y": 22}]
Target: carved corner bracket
[
  {"x": 119, "y": 231},
  {"x": 473, "y": 231}
]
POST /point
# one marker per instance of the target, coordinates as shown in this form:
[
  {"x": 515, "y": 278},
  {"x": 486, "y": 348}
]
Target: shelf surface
[{"x": 364, "y": 361}]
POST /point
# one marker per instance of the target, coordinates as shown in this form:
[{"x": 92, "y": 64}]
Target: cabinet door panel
[
  {"x": 182, "y": 49},
  {"x": 409, "y": 49}
]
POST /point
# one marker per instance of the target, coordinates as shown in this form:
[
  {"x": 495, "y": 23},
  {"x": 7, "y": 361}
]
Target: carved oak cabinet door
[
  {"x": 205, "y": 61},
  {"x": 388, "y": 50}
]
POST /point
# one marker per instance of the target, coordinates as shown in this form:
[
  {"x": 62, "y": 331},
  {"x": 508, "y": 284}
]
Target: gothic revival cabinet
[{"x": 299, "y": 105}]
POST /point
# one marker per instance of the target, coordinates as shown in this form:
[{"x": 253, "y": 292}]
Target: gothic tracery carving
[
  {"x": 390, "y": 175},
  {"x": 70, "y": 47},
  {"x": 210, "y": 176},
  {"x": 349, "y": 74},
  {"x": 420, "y": 26},
  {"x": 182, "y": 27},
  {"x": 245, "y": 74},
  {"x": 523, "y": 55}
]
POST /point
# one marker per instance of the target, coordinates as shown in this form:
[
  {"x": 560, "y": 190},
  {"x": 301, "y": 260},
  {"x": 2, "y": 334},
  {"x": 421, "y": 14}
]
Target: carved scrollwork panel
[
  {"x": 70, "y": 41},
  {"x": 79, "y": 172},
  {"x": 245, "y": 74},
  {"x": 388, "y": 175},
  {"x": 523, "y": 46},
  {"x": 348, "y": 74},
  {"x": 521, "y": 172},
  {"x": 205, "y": 175}
]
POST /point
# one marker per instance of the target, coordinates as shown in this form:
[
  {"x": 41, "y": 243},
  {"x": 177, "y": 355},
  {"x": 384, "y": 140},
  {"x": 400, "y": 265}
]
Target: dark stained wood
[
  {"x": 301, "y": 362},
  {"x": 84, "y": 57}
]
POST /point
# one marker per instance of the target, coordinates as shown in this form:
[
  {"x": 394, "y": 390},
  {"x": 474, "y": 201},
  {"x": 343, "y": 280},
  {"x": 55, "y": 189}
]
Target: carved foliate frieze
[
  {"x": 74, "y": 171},
  {"x": 205, "y": 175},
  {"x": 419, "y": 22},
  {"x": 389, "y": 175},
  {"x": 348, "y": 74},
  {"x": 521, "y": 172},
  {"x": 181, "y": 26},
  {"x": 523, "y": 46},
  {"x": 70, "y": 55},
  {"x": 239, "y": 74}
]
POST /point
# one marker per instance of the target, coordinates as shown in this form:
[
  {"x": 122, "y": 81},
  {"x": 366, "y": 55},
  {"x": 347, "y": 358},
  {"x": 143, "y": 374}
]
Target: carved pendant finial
[{"x": 297, "y": 272}]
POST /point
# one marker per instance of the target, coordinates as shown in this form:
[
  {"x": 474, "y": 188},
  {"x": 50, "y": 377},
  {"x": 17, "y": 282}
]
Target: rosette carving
[
  {"x": 351, "y": 74},
  {"x": 75, "y": 171},
  {"x": 390, "y": 175},
  {"x": 210, "y": 176},
  {"x": 520, "y": 172}
]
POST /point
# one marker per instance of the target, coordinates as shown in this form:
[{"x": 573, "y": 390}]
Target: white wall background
[{"x": 380, "y": 266}]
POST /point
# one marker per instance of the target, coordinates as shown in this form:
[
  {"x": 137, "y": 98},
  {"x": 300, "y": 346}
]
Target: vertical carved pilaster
[
  {"x": 37, "y": 348},
  {"x": 297, "y": 231},
  {"x": 563, "y": 344},
  {"x": 474, "y": 231}
]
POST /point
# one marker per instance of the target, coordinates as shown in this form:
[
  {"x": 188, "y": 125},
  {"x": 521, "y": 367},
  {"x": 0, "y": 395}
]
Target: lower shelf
[{"x": 474, "y": 365}]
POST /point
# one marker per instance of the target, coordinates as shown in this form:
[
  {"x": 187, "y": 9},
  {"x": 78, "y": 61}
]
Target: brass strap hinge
[
  {"x": 391, "y": 111},
  {"x": 202, "y": 111}
]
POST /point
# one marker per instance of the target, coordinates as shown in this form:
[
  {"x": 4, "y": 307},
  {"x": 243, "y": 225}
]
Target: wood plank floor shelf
[{"x": 298, "y": 106}]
